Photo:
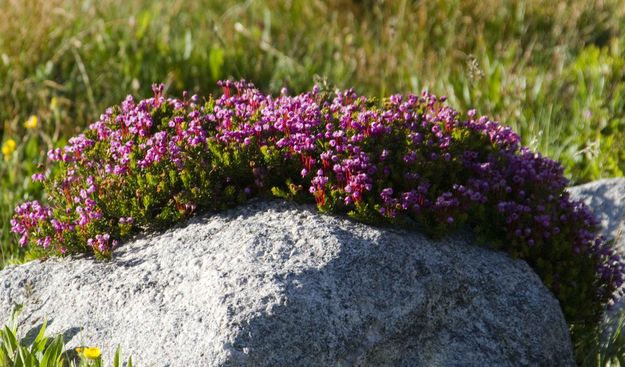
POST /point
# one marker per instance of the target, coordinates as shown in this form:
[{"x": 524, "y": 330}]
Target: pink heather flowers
[{"x": 408, "y": 159}]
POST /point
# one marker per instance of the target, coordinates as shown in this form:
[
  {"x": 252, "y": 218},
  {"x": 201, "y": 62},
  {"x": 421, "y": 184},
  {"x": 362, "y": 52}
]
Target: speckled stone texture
[
  {"x": 607, "y": 200},
  {"x": 278, "y": 284}
]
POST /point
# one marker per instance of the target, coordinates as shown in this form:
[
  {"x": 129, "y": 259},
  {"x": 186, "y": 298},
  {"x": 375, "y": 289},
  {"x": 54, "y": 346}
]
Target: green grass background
[{"x": 554, "y": 71}]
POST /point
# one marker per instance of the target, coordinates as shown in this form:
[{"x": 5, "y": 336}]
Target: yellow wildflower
[
  {"x": 90, "y": 352},
  {"x": 32, "y": 122},
  {"x": 54, "y": 103},
  {"x": 8, "y": 147}
]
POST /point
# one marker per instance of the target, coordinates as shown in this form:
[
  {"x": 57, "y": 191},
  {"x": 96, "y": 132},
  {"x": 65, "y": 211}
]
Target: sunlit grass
[
  {"x": 554, "y": 71},
  {"x": 44, "y": 351}
]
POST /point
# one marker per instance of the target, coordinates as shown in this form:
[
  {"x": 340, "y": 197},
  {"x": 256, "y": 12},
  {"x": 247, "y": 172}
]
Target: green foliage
[
  {"x": 540, "y": 66},
  {"x": 155, "y": 162},
  {"x": 606, "y": 344},
  {"x": 552, "y": 70},
  {"x": 43, "y": 351}
]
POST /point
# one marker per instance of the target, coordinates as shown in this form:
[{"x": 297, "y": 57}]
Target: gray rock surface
[
  {"x": 607, "y": 200},
  {"x": 278, "y": 284}
]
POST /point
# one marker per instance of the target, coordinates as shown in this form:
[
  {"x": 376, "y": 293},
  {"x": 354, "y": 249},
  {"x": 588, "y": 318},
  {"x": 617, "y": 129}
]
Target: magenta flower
[{"x": 156, "y": 161}]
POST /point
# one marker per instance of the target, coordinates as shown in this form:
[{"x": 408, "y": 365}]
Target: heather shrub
[{"x": 406, "y": 160}]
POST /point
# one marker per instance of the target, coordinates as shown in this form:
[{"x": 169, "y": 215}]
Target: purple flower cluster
[
  {"x": 414, "y": 157},
  {"x": 28, "y": 216}
]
